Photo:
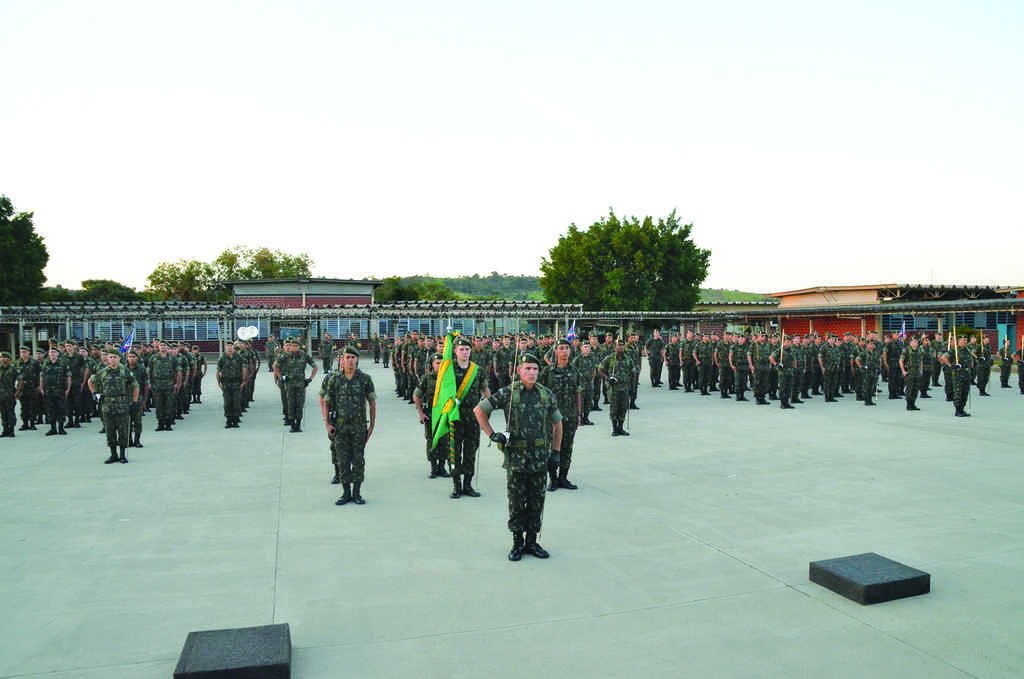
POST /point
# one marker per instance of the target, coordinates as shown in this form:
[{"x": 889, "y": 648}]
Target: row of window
[{"x": 981, "y": 321}]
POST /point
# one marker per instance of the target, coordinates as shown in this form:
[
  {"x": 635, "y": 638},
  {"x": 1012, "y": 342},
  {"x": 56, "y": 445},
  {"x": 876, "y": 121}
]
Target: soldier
[
  {"x": 1005, "y": 364},
  {"x": 786, "y": 362},
  {"x": 868, "y": 363},
  {"x": 961, "y": 364},
  {"x": 232, "y": 373},
  {"x": 375, "y": 345},
  {"x": 38, "y": 402},
  {"x": 739, "y": 361},
  {"x": 120, "y": 391},
  {"x": 814, "y": 377},
  {"x": 799, "y": 367},
  {"x": 165, "y": 378},
  {"x": 54, "y": 385},
  {"x": 891, "y": 361},
  {"x": 984, "y": 365},
  {"x": 11, "y": 385},
  {"x": 689, "y": 363},
  {"x": 618, "y": 370},
  {"x": 197, "y": 383},
  {"x": 327, "y": 351},
  {"x": 655, "y": 356},
  {"x": 28, "y": 373},
  {"x": 636, "y": 354},
  {"x": 534, "y": 436},
  {"x": 725, "y": 372},
  {"x": 471, "y": 386},
  {"x": 704, "y": 357},
  {"x": 141, "y": 376},
  {"x": 386, "y": 345},
  {"x": 759, "y": 368},
  {"x": 830, "y": 366},
  {"x": 423, "y": 397},
  {"x": 912, "y": 361},
  {"x": 565, "y": 382},
  {"x": 671, "y": 354},
  {"x": 586, "y": 366},
  {"x": 291, "y": 369},
  {"x": 79, "y": 376},
  {"x": 928, "y": 358},
  {"x": 347, "y": 395},
  {"x": 270, "y": 349}
]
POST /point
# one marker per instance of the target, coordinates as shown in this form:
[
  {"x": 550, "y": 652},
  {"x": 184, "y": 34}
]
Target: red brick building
[{"x": 301, "y": 293}]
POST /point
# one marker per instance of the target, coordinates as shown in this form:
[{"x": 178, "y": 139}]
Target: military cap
[
  {"x": 437, "y": 357},
  {"x": 528, "y": 358},
  {"x": 462, "y": 342},
  {"x": 161, "y": 341},
  {"x": 6, "y": 354},
  {"x": 112, "y": 352},
  {"x": 562, "y": 341},
  {"x": 133, "y": 353},
  {"x": 23, "y": 348},
  {"x": 195, "y": 346},
  {"x": 350, "y": 350},
  {"x": 71, "y": 342},
  {"x": 619, "y": 341}
]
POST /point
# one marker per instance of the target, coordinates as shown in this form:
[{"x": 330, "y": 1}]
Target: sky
[{"x": 809, "y": 143}]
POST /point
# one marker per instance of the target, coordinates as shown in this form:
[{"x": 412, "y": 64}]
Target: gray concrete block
[
  {"x": 869, "y": 578},
  {"x": 244, "y": 653}
]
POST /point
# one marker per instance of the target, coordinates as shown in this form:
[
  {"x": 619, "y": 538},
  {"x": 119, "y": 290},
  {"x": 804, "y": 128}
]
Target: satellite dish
[{"x": 247, "y": 332}]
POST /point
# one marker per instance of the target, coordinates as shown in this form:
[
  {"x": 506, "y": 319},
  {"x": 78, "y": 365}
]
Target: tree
[
  {"x": 185, "y": 280},
  {"x": 25, "y": 257},
  {"x": 626, "y": 264},
  {"x": 102, "y": 290},
  {"x": 242, "y": 263}
]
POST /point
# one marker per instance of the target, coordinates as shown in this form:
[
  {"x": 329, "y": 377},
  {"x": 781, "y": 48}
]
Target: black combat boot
[
  {"x": 227, "y": 423},
  {"x": 563, "y": 479},
  {"x": 60, "y": 428},
  {"x": 552, "y": 480},
  {"x": 346, "y": 497},
  {"x": 456, "y": 487},
  {"x": 123, "y": 459},
  {"x": 356, "y": 497},
  {"x": 785, "y": 404},
  {"x": 295, "y": 427},
  {"x": 531, "y": 547},
  {"x": 910, "y": 407},
  {"x": 616, "y": 429},
  {"x": 622, "y": 428},
  {"x": 796, "y": 401},
  {"x": 441, "y": 471},
  {"x": 869, "y": 402},
  {"x": 53, "y": 429},
  {"x": 433, "y": 469},
  {"x": 138, "y": 439},
  {"x": 598, "y": 409},
  {"x": 24, "y": 426},
  {"x": 113, "y": 456},
  {"x": 337, "y": 477},
  {"x": 516, "y": 553},
  {"x": 467, "y": 487}
]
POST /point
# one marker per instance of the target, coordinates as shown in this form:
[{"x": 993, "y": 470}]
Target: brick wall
[
  {"x": 836, "y": 325},
  {"x": 797, "y": 326}
]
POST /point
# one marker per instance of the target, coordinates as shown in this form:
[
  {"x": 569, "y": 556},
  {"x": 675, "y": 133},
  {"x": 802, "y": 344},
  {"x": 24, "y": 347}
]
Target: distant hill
[{"x": 505, "y": 286}]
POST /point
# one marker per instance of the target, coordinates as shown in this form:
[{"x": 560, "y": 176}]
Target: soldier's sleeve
[
  {"x": 554, "y": 414},
  {"x": 309, "y": 361},
  {"x": 133, "y": 383},
  {"x": 420, "y": 387},
  {"x": 368, "y": 389},
  {"x": 497, "y": 401}
]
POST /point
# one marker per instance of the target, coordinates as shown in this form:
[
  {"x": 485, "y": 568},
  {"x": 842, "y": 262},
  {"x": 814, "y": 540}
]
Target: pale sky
[{"x": 809, "y": 142}]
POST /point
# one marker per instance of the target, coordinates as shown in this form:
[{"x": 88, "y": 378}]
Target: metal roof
[
  {"x": 364, "y": 281},
  {"x": 912, "y": 308}
]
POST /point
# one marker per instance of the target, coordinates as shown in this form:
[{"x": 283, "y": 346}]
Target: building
[{"x": 300, "y": 293}]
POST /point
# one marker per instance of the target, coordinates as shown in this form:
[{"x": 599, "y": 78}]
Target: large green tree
[
  {"x": 187, "y": 280},
  {"x": 626, "y": 264},
  {"x": 25, "y": 257},
  {"x": 242, "y": 263}
]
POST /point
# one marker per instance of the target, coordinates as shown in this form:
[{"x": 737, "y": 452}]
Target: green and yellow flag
[{"x": 444, "y": 410}]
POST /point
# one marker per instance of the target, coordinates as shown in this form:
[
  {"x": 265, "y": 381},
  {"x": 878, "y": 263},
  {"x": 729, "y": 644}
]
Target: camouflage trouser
[
  {"x": 816, "y": 377},
  {"x": 586, "y": 397},
  {"x": 74, "y": 398},
  {"x": 868, "y": 384},
  {"x": 924, "y": 382},
  {"x": 786, "y": 384},
  {"x": 947, "y": 379},
  {"x": 563, "y": 459},
  {"x": 983, "y": 373},
  {"x": 1004, "y": 374},
  {"x": 296, "y": 399},
  {"x": 655, "y": 370},
  {"x": 673, "y": 374},
  {"x": 961, "y": 388},
  {"x": 349, "y": 452},
  {"x": 526, "y": 492},
  {"x": 115, "y": 419},
  {"x": 7, "y": 411},
  {"x": 761, "y": 381},
  {"x": 690, "y": 374},
  {"x": 740, "y": 385},
  {"x": 434, "y": 453},
  {"x": 163, "y": 402},
  {"x": 284, "y": 398},
  {"x": 912, "y": 387},
  {"x": 846, "y": 378},
  {"x": 55, "y": 406},
  {"x": 856, "y": 380},
  {"x": 705, "y": 375},
  {"x": 618, "y": 396},
  {"x": 135, "y": 420},
  {"x": 28, "y": 404},
  {"x": 596, "y": 390},
  {"x": 831, "y": 381},
  {"x": 895, "y": 380},
  {"x": 465, "y": 444},
  {"x": 798, "y": 384},
  {"x": 232, "y": 398},
  {"x": 773, "y": 381},
  {"x": 197, "y": 386},
  {"x": 181, "y": 399},
  {"x": 725, "y": 379}
]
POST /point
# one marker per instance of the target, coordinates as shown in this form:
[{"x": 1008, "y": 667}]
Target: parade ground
[{"x": 684, "y": 553}]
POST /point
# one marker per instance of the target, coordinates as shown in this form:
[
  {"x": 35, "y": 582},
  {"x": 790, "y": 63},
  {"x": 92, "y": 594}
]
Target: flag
[
  {"x": 903, "y": 330},
  {"x": 444, "y": 409},
  {"x": 571, "y": 334},
  {"x": 128, "y": 342}
]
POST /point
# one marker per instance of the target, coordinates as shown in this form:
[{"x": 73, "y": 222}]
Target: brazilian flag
[{"x": 444, "y": 409}]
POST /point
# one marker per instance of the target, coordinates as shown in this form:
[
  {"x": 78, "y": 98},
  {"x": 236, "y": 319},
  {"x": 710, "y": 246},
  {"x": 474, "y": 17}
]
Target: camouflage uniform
[
  {"x": 531, "y": 415},
  {"x": 76, "y": 365},
  {"x": 231, "y": 370},
  {"x": 116, "y": 386},
  {"x": 961, "y": 378},
  {"x": 738, "y": 356},
  {"x": 465, "y": 439},
  {"x": 913, "y": 363},
  {"x": 706, "y": 355},
  {"x": 725, "y": 374},
  {"x": 1005, "y": 366},
  {"x": 984, "y": 367},
  {"x": 327, "y": 353},
  {"x": 759, "y": 355},
  {"x": 831, "y": 356},
  {"x": 565, "y": 383},
  {"x": 870, "y": 363},
  {"x": 786, "y": 362},
  {"x": 141, "y": 376},
  {"x": 654, "y": 348},
  {"x": 672, "y": 361},
  {"x": 893, "y": 351},
  {"x": 29, "y": 373},
  {"x": 346, "y": 399},
  {"x": 163, "y": 375},
  {"x": 10, "y": 376},
  {"x": 293, "y": 373},
  {"x": 622, "y": 369},
  {"x": 197, "y": 381},
  {"x": 586, "y": 366},
  {"x": 425, "y": 391},
  {"x": 54, "y": 378}
]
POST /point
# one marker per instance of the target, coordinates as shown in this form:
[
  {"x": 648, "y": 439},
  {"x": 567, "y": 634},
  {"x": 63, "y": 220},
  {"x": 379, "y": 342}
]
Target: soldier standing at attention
[
  {"x": 618, "y": 371},
  {"x": 270, "y": 349},
  {"x": 961, "y": 364},
  {"x": 231, "y": 375},
  {"x": 799, "y": 366},
  {"x": 471, "y": 386},
  {"x": 291, "y": 369},
  {"x": 912, "y": 366},
  {"x": 165, "y": 376},
  {"x": 534, "y": 436},
  {"x": 1005, "y": 367},
  {"x": 739, "y": 361},
  {"x": 79, "y": 376},
  {"x": 829, "y": 360},
  {"x": 54, "y": 385},
  {"x": 375, "y": 343},
  {"x": 655, "y": 355},
  {"x": 758, "y": 358},
  {"x": 347, "y": 395},
  {"x": 197, "y": 383},
  {"x": 928, "y": 353},
  {"x": 891, "y": 360},
  {"x": 704, "y": 357},
  {"x": 586, "y": 366},
  {"x": 671, "y": 354},
  {"x": 385, "y": 349},
  {"x": 636, "y": 354},
  {"x": 785, "y": 360},
  {"x": 868, "y": 362},
  {"x": 141, "y": 376},
  {"x": 565, "y": 382},
  {"x": 120, "y": 391},
  {"x": 10, "y": 390},
  {"x": 984, "y": 369},
  {"x": 28, "y": 371},
  {"x": 423, "y": 397},
  {"x": 725, "y": 371},
  {"x": 327, "y": 351}
]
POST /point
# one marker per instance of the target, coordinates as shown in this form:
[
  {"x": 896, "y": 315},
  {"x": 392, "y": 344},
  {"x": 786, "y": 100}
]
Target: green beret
[
  {"x": 195, "y": 346},
  {"x": 24, "y": 349},
  {"x": 528, "y": 358},
  {"x": 161, "y": 341},
  {"x": 562, "y": 341},
  {"x": 437, "y": 357},
  {"x": 112, "y": 352},
  {"x": 351, "y": 350},
  {"x": 133, "y": 353},
  {"x": 462, "y": 342},
  {"x": 6, "y": 354}
]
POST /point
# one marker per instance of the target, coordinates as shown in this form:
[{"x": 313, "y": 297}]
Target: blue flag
[
  {"x": 903, "y": 330},
  {"x": 128, "y": 342},
  {"x": 571, "y": 334}
]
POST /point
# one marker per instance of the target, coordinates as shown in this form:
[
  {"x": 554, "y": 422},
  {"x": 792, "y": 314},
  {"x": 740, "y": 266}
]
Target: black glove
[
  {"x": 308, "y": 380},
  {"x": 133, "y": 407},
  {"x": 499, "y": 438},
  {"x": 612, "y": 380}
]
